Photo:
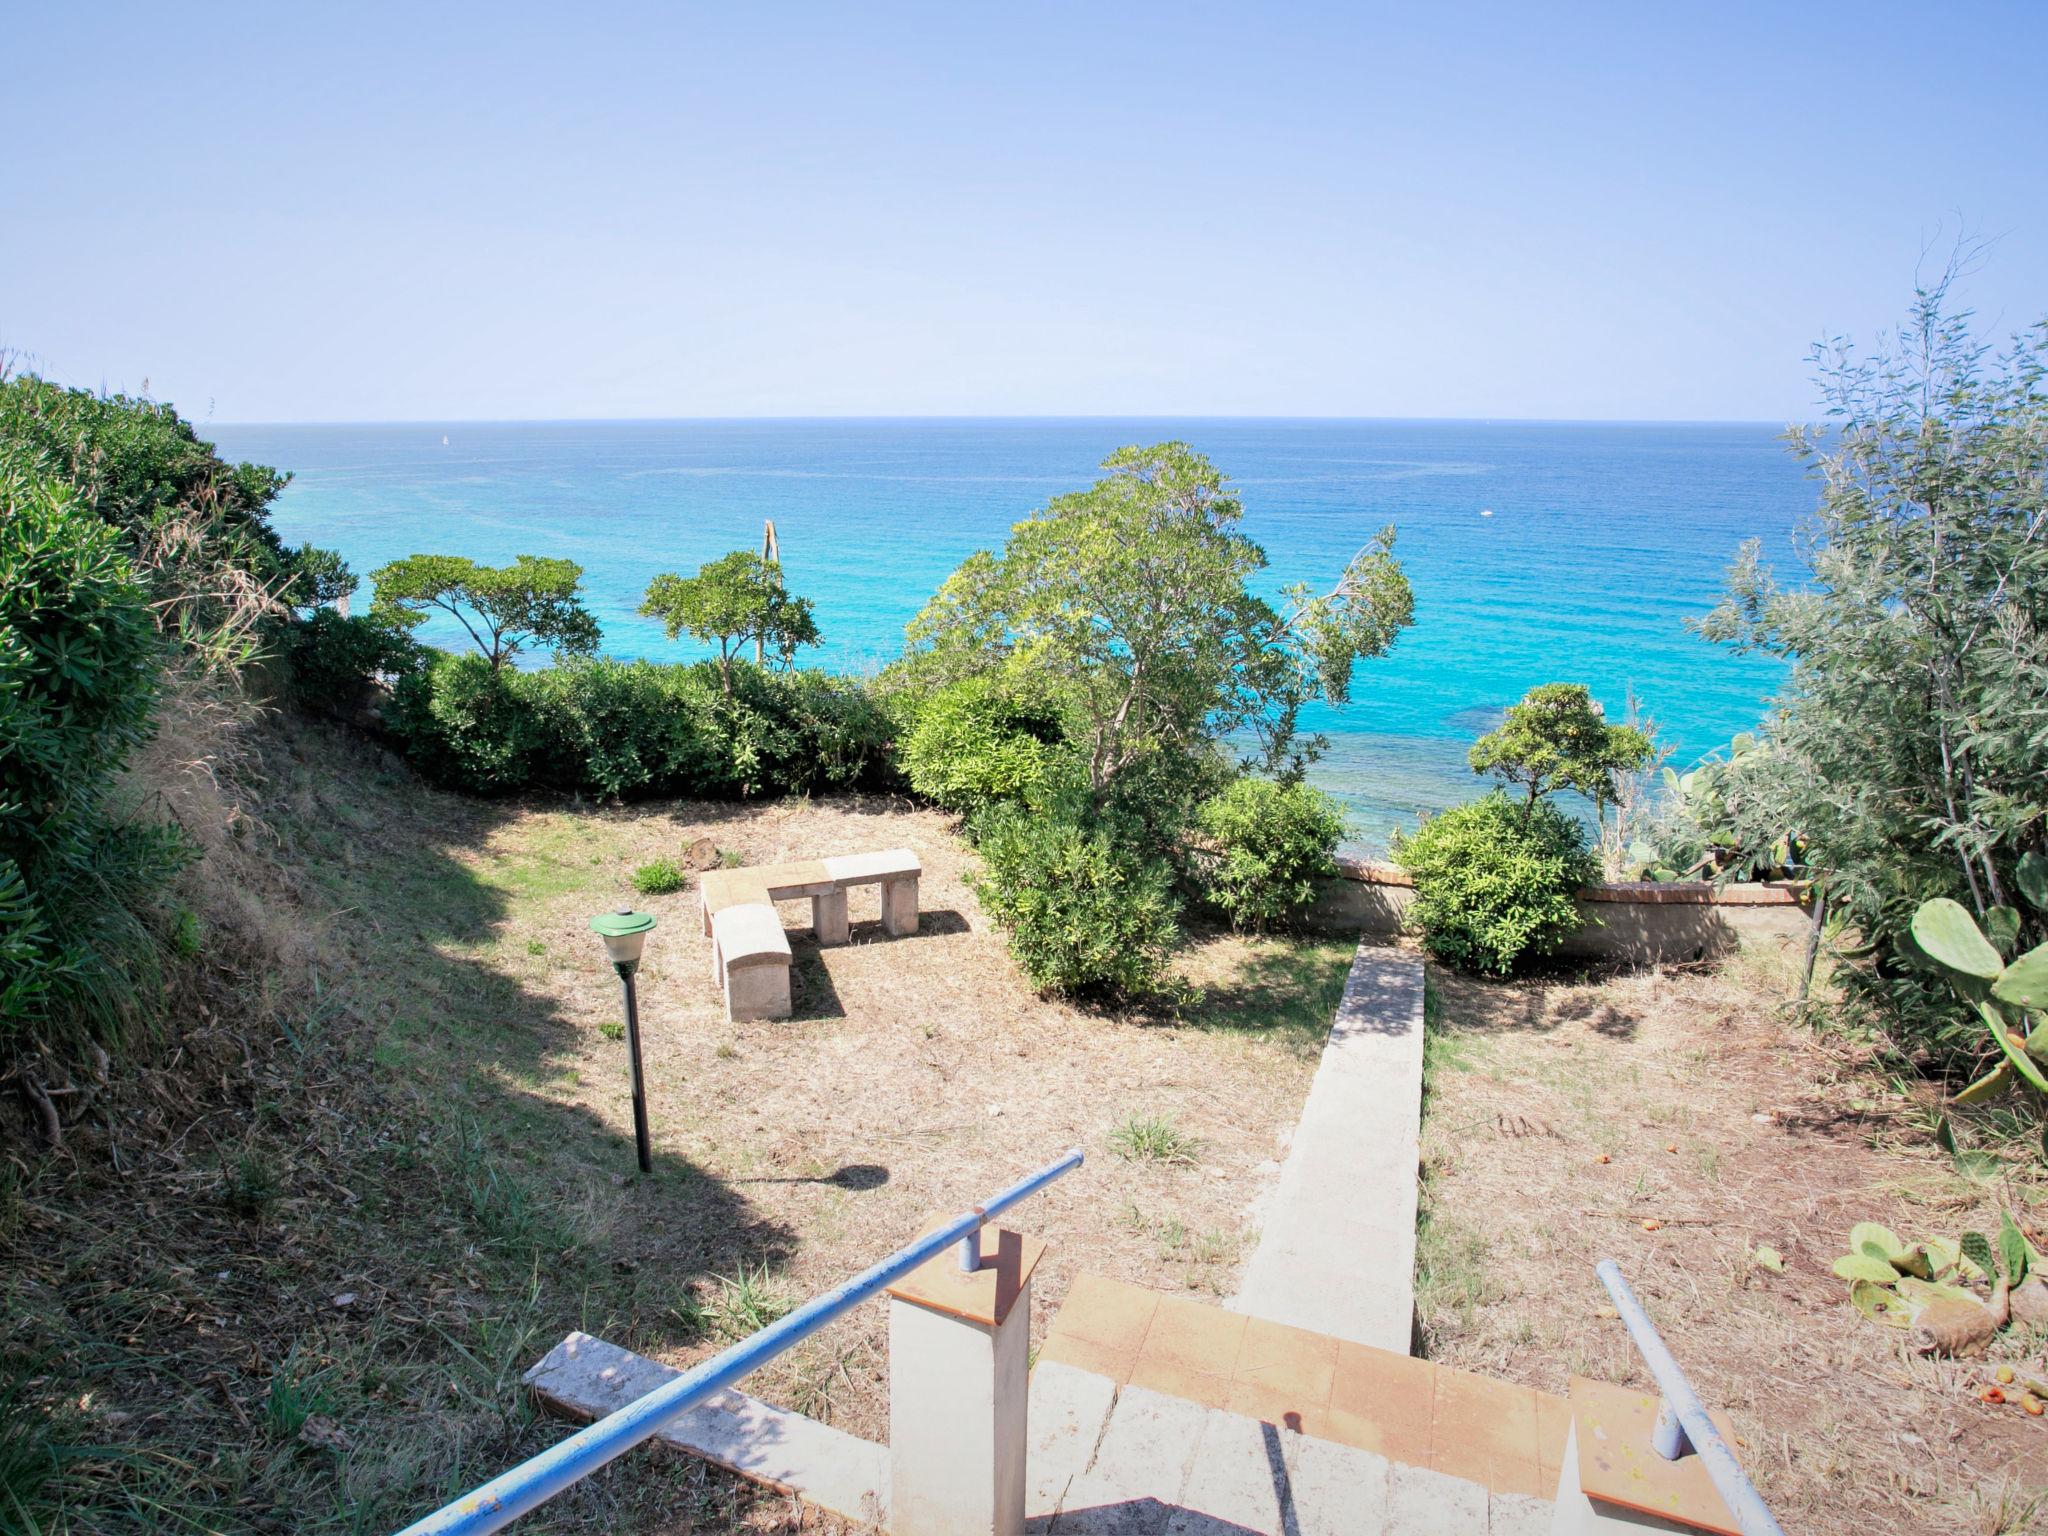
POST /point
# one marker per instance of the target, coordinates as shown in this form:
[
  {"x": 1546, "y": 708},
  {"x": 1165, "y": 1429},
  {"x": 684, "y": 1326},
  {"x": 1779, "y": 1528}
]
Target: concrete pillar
[
  {"x": 828, "y": 917},
  {"x": 899, "y": 906},
  {"x": 959, "y": 1382},
  {"x": 758, "y": 991}
]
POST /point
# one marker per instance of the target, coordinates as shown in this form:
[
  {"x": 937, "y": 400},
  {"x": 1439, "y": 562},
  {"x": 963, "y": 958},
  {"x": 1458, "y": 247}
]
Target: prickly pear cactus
[
  {"x": 1948, "y": 934},
  {"x": 2004, "y": 996}
]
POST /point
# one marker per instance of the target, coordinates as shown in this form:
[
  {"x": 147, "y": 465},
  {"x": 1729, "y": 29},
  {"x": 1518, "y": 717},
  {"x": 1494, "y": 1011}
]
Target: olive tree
[
  {"x": 730, "y": 601},
  {"x": 505, "y": 608},
  {"x": 1132, "y": 602},
  {"x": 1908, "y": 747}
]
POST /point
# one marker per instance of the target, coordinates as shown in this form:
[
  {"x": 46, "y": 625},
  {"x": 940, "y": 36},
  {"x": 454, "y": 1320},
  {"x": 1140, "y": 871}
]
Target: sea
[{"x": 1538, "y": 551}]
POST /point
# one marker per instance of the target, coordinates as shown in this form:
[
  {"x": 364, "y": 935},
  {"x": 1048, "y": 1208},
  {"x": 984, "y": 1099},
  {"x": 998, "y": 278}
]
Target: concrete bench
[
  {"x": 750, "y": 961},
  {"x": 750, "y": 952}
]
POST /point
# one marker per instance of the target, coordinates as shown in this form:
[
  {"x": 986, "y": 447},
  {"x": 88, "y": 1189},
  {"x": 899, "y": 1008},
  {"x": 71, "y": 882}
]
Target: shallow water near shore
[{"x": 1539, "y": 552}]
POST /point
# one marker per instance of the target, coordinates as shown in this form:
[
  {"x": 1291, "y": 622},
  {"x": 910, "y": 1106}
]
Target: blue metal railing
[
  {"x": 1682, "y": 1422},
  {"x": 533, "y": 1482}
]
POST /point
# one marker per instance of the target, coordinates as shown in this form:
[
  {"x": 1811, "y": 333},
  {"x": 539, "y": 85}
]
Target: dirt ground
[
  {"x": 287, "y": 1273},
  {"x": 917, "y": 1076},
  {"x": 1729, "y": 1126}
]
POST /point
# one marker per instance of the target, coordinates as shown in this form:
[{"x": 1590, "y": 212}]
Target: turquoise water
[{"x": 1602, "y": 540}]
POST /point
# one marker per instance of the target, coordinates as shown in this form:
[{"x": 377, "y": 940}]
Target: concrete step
[{"x": 1148, "y": 1408}]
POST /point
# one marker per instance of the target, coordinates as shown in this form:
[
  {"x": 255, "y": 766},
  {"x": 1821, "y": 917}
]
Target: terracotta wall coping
[{"x": 1763, "y": 893}]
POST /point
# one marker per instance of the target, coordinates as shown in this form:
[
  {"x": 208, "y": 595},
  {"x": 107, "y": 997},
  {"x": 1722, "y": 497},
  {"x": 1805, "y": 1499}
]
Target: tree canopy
[
  {"x": 1131, "y": 602},
  {"x": 734, "y": 599},
  {"x": 1909, "y": 745},
  {"x": 1558, "y": 738},
  {"x": 505, "y": 609}
]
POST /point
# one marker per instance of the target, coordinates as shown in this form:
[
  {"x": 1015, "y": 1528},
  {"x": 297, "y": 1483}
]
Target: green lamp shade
[{"x": 624, "y": 933}]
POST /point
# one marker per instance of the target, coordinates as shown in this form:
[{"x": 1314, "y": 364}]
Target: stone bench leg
[
  {"x": 828, "y": 917},
  {"x": 899, "y": 906},
  {"x": 757, "y": 992}
]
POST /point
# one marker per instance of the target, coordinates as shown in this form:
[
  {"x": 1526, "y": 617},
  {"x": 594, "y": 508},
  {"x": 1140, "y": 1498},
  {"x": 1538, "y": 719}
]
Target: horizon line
[{"x": 1777, "y": 423}]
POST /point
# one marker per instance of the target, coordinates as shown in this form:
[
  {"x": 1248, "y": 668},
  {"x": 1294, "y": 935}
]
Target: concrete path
[{"x": 1336, "y": 1247}]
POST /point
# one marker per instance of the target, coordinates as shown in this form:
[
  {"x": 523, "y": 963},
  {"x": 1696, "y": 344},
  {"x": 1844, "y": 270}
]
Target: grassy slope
[{"x": 287, "y": 1280}]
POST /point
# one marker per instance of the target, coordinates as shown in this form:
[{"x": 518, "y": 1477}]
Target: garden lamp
[{"x": 625, "y": 934}]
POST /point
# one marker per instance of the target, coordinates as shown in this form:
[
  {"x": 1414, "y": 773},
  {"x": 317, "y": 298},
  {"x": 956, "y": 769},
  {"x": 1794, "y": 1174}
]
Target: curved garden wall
[{"x": 1637, "y": 921}]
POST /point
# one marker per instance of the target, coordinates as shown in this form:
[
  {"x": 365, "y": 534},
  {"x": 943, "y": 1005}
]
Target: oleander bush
[
  {"x": 1494, "y": 882},
  {"x": 1271, "y": 847},
  {"x": 80, "y": 662},
  {"x": 1089, "y": 911}
]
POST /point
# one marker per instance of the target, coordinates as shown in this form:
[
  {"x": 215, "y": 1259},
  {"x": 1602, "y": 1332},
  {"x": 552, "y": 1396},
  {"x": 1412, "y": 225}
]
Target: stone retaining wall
[{"x": 1636, "y": 921}]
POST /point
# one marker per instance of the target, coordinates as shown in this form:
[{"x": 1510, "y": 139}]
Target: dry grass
[
  {"x": 916, "y": 1076},
  {"x": 1781, "y": 1139},
  {"x": 392, "y": 1083}
]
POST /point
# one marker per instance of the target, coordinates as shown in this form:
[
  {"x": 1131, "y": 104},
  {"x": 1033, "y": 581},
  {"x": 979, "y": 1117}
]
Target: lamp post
[{"x": 625, "y": 933}]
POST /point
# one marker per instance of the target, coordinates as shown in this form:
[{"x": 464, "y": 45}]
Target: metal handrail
[
  {"x": 533, "y": 1482},
  {"x": 1682, "y": 1422}
]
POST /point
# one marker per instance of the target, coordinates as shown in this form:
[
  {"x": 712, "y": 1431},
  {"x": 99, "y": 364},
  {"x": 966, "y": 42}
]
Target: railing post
[
  {"x": 959, "y": 1361},
  {"x": 1668, "y": 1438},
  {"x": 1634, "y": 1463}
]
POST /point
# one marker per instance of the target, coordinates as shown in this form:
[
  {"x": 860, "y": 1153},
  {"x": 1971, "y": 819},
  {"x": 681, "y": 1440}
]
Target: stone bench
[{"x": 750, "y": 952}]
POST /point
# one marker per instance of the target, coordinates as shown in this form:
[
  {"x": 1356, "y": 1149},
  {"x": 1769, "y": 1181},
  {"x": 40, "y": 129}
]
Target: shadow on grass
[
  {"x": 1285, "y": 989},
  {"x": 1534, "y": 1004}
]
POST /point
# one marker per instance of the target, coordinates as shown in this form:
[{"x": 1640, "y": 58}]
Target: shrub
[
  {"x": 660, "y": 877},
  {"x": 334, "y": 660},
  {"x": 464, "y": 724},
  {"x": 1087, "y": 912},
  {"x": 1274, "y": 846},
  {"x": 79, "y": 660},
  {"x": 616, "y": 729},
  {"x": 1494, "y": 882},
  {"x": 195, "y": 528},
  {"x": 972, "y": 745},
  {"x": 621, "y": 730}
]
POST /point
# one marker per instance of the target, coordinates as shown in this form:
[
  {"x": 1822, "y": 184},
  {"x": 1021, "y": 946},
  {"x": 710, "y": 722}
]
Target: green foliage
[
  {"x": 1557, "y": 738},
  {"x": 78, "y": 672},
  {"x": 1273, "y": 847},
  {"x": 462, "y": 723},
  {"x": 1152, "y": 1139},
  {"x": 2011, "y": 998},
  {"x": 1129, "y": 602},
  {"x": 973, "y": 744},
  {"x": 1088, "y": 911},
  {"x": 629, "y": 729},
  {"x": 320, "y": 578},
  {"x": 333, "y": 660},
  {"x": 1718, "y": 820},
  {"x": 1494, "y": 882},
  {"x": 660, "y": 877},
  {"x": 195, "y": 529},
  {"x": 1906, "y": 748},
  {"x": 731, "y": 600},
  {"x": 505, "y": 609}
]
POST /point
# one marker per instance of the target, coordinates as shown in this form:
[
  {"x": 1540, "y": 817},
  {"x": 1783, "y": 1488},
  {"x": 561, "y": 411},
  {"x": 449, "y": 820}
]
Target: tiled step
[{"x": 1160, "y": 1377}]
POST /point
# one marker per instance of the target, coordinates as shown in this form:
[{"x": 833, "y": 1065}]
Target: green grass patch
[{"x": 1152, "y": 1139}]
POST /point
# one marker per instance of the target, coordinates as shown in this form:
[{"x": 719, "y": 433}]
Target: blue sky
[{"x": 449, "y": 212}]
